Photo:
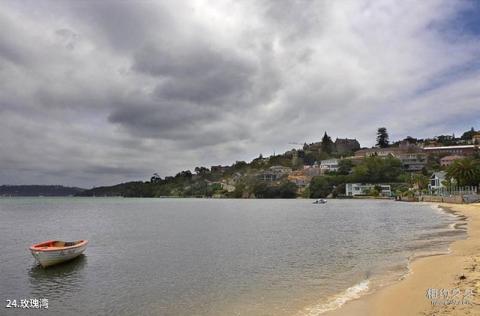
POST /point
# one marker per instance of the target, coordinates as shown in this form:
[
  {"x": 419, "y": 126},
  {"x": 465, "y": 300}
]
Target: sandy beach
[{"x": 451, "y": 280}]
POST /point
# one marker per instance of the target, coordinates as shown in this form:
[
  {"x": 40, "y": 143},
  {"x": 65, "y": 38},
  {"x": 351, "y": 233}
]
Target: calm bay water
[{"x": 211, "y": 257}]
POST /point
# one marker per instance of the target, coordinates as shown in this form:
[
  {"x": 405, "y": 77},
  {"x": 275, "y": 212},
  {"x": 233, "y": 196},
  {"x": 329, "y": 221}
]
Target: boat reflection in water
[{"x": 57, "y": 282}]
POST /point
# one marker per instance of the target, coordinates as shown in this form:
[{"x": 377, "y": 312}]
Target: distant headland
[{"x": 38, "y": 190}]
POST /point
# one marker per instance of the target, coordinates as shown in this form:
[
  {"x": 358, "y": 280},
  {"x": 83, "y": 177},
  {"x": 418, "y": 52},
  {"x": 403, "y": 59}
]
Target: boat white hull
[{"x": 49, "y": 258}]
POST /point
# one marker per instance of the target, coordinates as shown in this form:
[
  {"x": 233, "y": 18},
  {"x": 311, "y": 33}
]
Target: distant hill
[
  {"x": 38, "y": 190},
  {"x": 128, "y": 189}
]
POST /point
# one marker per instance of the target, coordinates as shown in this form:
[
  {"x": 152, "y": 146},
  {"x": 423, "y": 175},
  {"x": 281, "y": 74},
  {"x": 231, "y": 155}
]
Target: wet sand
[{"x": 429, "y": 278}]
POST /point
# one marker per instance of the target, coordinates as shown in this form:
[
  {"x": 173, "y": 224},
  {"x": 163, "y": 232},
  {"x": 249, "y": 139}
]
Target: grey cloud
[
  {"x": 124, "y": 25},
  {"x": 296, "y": 19},
  {"x": 68, "y": 38},
  {"x": 165, "y": 120},
  {"x": 196, "y": 73},
  {"x": 189, "y": 125},
  {"x": 196, "y": 85},
  {"x": 94, "y": 93},
  {"x": 127, "y": 172},
  {"x": 11, "y": 49}
]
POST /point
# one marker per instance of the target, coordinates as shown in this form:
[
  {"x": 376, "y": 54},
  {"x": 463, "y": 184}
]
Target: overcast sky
[{"x": 102, "y": 92}]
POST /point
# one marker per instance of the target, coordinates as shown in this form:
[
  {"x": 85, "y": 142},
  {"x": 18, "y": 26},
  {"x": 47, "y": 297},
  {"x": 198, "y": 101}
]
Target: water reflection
[{"x": 59, "y": 280}]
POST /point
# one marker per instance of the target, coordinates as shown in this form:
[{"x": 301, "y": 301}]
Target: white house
[
  {"x": 352, "y": 189},
  {"x": 329, "y": 165},
  {"x": 436, "y": 180}
]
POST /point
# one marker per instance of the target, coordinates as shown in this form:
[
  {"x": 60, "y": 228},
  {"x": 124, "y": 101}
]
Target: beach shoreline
[{"x": 451, "y": 274}]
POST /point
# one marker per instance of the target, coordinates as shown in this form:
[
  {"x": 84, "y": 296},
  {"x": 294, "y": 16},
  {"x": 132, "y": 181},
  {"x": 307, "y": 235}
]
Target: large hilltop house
[
  {"x": 462, "y": 150},
  {"x": 343, "y": 146},
  {"x": 403, "y": 148},
  {"x": 346, "y": 145},
  {"x": 412, "y": 157}
]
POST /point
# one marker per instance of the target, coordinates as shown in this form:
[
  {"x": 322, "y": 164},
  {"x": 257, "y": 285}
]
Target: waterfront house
[
  {"x": 353, "y": 189},
  {"x": 436, "y": 180}
]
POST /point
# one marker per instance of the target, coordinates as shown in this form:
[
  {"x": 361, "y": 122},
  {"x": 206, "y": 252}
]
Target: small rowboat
[{"x": 55, "y": 251}]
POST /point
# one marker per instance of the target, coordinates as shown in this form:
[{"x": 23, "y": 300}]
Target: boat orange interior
[{"x": 57, "y": 244}]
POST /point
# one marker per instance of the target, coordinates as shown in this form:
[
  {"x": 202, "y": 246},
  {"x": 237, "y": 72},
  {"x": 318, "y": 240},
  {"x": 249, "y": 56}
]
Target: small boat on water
[
  {"x": 56, "y": 251},
  {"x": 320, "y": 201}
]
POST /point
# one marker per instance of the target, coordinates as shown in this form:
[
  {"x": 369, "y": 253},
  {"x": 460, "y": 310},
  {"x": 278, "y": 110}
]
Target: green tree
[
  {"x": 186, "y": 174},
  {"x": 239, "y": 166},
  {"x": 327, "y": 144},
  {"x": 468, "y": 134},
  {"x": 201, "y": 170},
  {"x": 465, "y": 172},
  {"x": 411, "y": 140},
  {"x": 310, "y": 158},
  {"x": 240, "y": 188},
  {"x": 418, "y": 181},
  {"x": 280, "y": 160},
  {"x": 345, "y": 166},
  {"x": 155, "y": 178},
  {"x": 382, "y": 137},
  {"x": 320, "y": 187},
  {"x": 288, "y": 190},
  {"x": 376, "y": 169},
  {"x": 446, "y": 140},
  {"x": 375, "y": 191}
]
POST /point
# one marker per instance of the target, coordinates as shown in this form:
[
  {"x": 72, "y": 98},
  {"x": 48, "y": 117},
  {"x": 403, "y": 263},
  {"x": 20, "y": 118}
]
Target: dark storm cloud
[
  {"x": 98, "y": 92},
  {"x": 195, "y": 86},
  {"x": 196, "y": 73},
  {"x": 164, "y": 120},
  {"x": 186, "y": 123}
]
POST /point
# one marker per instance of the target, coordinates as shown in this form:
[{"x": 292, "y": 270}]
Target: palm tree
[
  {"x": 418, "y": 181},
  {"x": 465, "y": 171}
]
